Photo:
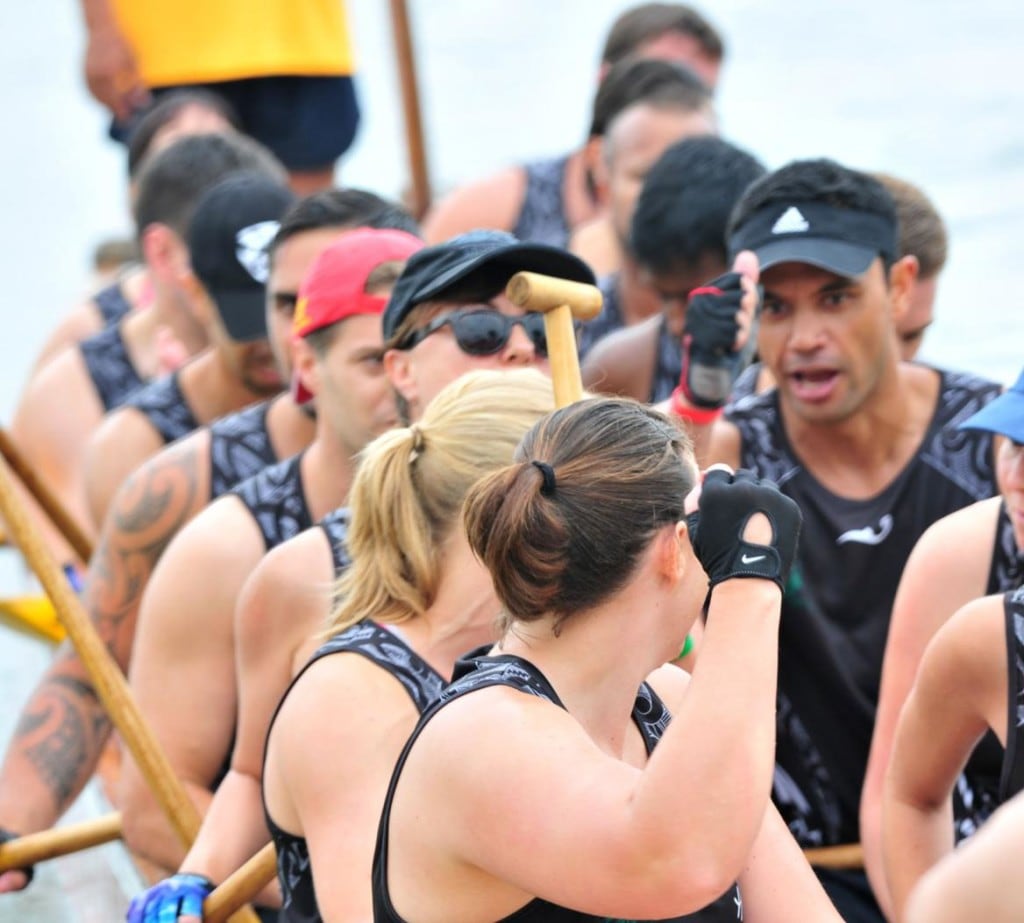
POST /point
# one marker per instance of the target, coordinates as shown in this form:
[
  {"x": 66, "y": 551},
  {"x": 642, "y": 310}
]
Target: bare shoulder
[
  {"x": 287, "y": 598},
  {"x": 60, "y": 387},
  {"x": 972, "y": 643},
  {"x": 979, "y": 881},
  {"x": 960, "y": 543},
  {"x": 670, "y": 683},
  {"x": 80, "y": 323},
  {"x": 491, "y": 202},
  {"x": 611, "y": 366}
]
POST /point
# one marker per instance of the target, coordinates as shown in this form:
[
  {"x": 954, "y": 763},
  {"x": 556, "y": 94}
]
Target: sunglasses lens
[
  {"x": 482, "y": 333},
  {"x": 533, "y": 324}
]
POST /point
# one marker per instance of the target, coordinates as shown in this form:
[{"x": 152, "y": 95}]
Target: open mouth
[{"x": 813, "y": 384}]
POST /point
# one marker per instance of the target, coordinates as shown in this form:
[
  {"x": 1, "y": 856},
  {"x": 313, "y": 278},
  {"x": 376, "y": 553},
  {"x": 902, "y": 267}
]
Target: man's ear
[
  {"x": 304, "y": 364},
  {"x": 596, "y": 168},
  {"x": 165, "y": 253},
  {"x": 398, "y": 368},
  {"x": 902, "y": 275}
]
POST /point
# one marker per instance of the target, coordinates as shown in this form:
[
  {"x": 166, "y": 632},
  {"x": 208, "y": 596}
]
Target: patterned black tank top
[
  {"x": 542, "y": 216},
  {"x": 835, "y": 610},
  {"x": 650, "y": 716},
  {"x": 111, "y": 303},
  {"x": 110, "y": 367},
  {"x": 165, "y": 407},
  {"x": 335, "y": 525},
  {"x": 275, "y": 499},
  {"x": 1012, "y": 779},
  {"x": 421, "y": 681},
  {"x": 240, "y": 447}
]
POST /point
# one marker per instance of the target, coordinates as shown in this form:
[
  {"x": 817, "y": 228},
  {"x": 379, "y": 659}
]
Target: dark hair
[
  {"x": 620, "y": 473},
  {"x": 823, "y": 181},
  {"x": 172, "y": 181},
  {"x": 652, "y": 20},
  {"x": 922, "y": 230},
  {"x": 342, "y": 208},
  {"x": 684, "y": 206},
  {"x": 165, "y": 110},
  {"x": 646, "y": 80}
]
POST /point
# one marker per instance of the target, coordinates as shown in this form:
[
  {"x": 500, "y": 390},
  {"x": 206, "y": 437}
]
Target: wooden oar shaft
[
  {"x": 846, "y": 856},
  {"x": 241, "y": 886},
  {"x": 419, "y": 174},
  {"x": 46, "y": 498},
  {"x": 107, "y": 679},
  {"x": 60, "y": 841}
]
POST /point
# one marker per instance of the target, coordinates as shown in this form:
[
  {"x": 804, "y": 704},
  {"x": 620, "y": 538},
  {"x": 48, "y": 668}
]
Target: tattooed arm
[{"x": 63, "y": 727}]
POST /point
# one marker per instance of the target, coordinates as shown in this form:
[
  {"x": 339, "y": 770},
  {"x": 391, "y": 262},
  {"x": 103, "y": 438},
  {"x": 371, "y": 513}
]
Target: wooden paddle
[
  {"x": 50, "y": 503},
  {"x": 846, "y": 856},
  {"x": 107, "y": 679},
  {"x": 419, "y": 174},
  {"x": 241, "y": 885},
  {"x": 60, "y": 841},
  {"x": 559, "y": 300}
]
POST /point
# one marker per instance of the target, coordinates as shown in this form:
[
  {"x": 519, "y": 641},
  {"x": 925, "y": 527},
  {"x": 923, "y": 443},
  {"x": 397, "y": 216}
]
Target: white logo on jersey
[
  {"x": 791, "y": 222},
  {"x": 868, "y": 535},
  {"x": 251, "y": 249}
]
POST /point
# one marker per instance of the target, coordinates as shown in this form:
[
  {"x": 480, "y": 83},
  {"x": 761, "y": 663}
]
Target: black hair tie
[{"x": 548, "y": 473}]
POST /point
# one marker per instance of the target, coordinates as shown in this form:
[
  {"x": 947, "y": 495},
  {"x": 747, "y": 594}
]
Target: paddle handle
[
  {"x": 420, "y": 195},
  {"x": 50, "y": 503},
  {"x": 559, "y": 300},
  {"x": 241, "y": 886},
  {"x": 846, "y": 856},
  {"x": 60, "y": 841}
]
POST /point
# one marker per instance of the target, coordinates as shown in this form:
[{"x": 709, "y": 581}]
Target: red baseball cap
[{"x": 335, "y": 286}]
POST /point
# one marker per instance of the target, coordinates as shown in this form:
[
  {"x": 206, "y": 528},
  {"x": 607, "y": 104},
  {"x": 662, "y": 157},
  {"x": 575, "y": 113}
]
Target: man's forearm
[
  {"x": 56, "y": 745},
  {"x": 98, "y": 15}
]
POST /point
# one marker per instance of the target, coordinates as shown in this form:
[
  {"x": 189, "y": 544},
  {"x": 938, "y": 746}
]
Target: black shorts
[{"x": 308, "y": 122}]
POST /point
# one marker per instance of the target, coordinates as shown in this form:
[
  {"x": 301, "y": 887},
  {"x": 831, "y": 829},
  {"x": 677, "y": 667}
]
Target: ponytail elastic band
[{"x": 548, "y": 473}]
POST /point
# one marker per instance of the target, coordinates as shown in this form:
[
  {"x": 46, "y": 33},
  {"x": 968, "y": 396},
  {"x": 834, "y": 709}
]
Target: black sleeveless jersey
[
  {"x": 110, "y": 367},
  {"x": 542, "y": 217},
  {"x": 335, "y": 525},
  {"x": 982, "y": 786},
  {"x": 276, "y": 501},
  {"x": 835, "y": 610},
  {"x": 480, "y": 672},
  {"x": 1012, "y": 778},
  {"x": 111, "y": 303},
  {"x": 165, "y": 407},
  {"x": 420, "y": 680},
  {"x": 240, "y": 447}
]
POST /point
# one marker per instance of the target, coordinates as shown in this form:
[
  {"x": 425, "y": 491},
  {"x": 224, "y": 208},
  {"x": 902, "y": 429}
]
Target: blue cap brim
[{"x": 1004, "y": 415}]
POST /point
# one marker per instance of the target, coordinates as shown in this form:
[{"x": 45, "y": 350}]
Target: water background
[{"x": 930, "y": 91}]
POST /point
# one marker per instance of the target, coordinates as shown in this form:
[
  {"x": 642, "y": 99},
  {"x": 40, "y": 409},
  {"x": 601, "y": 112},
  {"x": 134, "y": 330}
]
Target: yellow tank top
[{"x": 198, "y": 41}]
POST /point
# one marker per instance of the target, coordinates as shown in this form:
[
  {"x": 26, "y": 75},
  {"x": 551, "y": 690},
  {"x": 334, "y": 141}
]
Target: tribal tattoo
[{"x": 149, "y": 510}]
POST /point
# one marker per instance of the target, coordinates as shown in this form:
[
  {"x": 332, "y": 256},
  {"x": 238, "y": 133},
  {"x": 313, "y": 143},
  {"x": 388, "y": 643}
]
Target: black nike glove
[
  {"x": 6, "y": 836},
  {"x": 727, "y": 501},
  {"x": 710, "y": 364}
]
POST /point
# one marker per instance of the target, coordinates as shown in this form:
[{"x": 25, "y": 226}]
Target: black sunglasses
[{"x": 483, "y": 332}]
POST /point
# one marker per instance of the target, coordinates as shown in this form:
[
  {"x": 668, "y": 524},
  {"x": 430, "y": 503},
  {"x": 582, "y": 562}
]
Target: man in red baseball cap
[{"x": 184, "y": 639}]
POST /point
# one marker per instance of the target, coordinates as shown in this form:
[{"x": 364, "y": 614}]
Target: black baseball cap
[
  {"x": 841, "y": 240},
  {"x": 488, "y": 257},
  {"x": 233, "y": 223}
]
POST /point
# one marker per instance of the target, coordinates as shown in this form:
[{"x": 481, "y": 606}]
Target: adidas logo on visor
[{"x": 791, "y": 222}]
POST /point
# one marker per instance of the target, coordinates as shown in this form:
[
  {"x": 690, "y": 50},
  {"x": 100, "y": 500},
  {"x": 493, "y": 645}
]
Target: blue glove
[{"x": 179, "y": 895}]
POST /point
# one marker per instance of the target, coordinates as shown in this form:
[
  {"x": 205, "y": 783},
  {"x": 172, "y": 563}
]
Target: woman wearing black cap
[{"x": 533, "y": 791}]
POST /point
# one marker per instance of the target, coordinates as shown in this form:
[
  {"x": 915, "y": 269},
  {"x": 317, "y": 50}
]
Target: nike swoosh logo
[
  {"x": 868, "y": 535},
  {"x": 745, "y": 559}
]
